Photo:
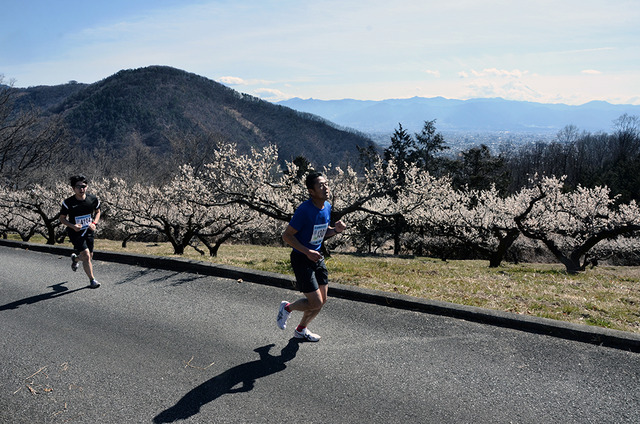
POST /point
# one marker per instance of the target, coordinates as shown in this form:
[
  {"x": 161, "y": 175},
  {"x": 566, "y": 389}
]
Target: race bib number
[
  {"x": 83, "y": 220},
  {"x": 318, "y": 233}
]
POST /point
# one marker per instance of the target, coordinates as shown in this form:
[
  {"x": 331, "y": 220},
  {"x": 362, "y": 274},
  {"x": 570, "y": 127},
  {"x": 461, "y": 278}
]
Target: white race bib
[
  {"x": 84, "y": 220},
  {"x": 318, "y": 233}
]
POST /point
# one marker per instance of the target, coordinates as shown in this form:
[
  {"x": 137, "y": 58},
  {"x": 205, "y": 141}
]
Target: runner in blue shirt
[{"x": 305, "y": 233}]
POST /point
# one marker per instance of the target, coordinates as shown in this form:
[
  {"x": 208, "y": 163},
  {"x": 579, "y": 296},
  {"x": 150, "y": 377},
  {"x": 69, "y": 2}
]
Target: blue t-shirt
[{"x": 311, "y": 223}]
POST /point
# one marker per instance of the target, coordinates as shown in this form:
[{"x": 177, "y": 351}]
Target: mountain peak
[{"x": 161, "y": 105}]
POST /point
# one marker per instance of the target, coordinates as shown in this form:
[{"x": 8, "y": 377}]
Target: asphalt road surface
[{"x": 153, "y": 346}]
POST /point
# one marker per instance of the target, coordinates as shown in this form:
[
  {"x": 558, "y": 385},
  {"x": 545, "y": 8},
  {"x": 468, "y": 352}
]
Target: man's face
[
  {"x": 80, "y": 189},
  {"x": 320, "y": 189}
]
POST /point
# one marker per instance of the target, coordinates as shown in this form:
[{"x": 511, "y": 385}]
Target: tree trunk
[
  {"x": 397, "y": 230},
  {"x": 505, "y": 243},
  {"x": 125, "y": 240}
]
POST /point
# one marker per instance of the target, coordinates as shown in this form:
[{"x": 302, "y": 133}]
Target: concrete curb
[{"x": 583, "y": 333}]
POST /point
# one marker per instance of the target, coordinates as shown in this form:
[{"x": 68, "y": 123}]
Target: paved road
[{"x": 154, "y": 346}]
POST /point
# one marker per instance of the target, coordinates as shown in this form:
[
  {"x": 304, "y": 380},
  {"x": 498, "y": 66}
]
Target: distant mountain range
[
  {"x": 476, "y": 115},
  {"x": 159, "y": 106}
]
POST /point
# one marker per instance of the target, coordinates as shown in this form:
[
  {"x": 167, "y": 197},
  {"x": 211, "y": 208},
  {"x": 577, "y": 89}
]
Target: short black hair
[
  {"x": 310, "y": 181},
  {"x": 75, "y": 179}
]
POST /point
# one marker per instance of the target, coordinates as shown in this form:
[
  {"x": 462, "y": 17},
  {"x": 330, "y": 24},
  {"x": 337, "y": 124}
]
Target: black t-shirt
[{"x": 80, "y": 211}]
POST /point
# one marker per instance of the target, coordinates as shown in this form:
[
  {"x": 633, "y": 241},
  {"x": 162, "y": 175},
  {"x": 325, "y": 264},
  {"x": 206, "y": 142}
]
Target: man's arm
[
  {"x": 337, "y": 229},
  {"x": 95, "y": 221},
  {"x": 66, "y": 223},
  {"x": 289, "y": 237}
]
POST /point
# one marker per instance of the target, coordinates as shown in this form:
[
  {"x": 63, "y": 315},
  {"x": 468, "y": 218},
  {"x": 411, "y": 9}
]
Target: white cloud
[
  {"x": 271, "y": 94},
  {"x": 432, "y": 72},
  {"x": 591, "y": 72},
  {"x": 494, "y": 72},
  {"x": 229, "y": 80},
  {"x": 513, "y": 89},
  {"x": 494, "y": 82},
  {"x": 232, "y": 81}
]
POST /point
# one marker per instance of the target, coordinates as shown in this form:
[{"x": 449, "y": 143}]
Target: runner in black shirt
[{"x": 81, "y": 214}]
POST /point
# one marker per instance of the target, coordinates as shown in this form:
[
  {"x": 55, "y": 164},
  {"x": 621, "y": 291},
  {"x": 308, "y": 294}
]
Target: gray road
[{"x": 156, "y": 346}]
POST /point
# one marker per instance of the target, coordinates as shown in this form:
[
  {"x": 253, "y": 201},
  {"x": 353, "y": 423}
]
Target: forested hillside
[{"x": 162, "y": 110}]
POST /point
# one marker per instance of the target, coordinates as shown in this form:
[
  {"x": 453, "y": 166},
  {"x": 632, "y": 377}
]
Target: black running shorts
[
  {"x": 81, "y": 242},
  {"x": 309, "y": 275}
]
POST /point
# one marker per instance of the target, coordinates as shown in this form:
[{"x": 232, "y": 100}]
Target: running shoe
[
  {"x": 74, "y": 262},
  {"x": 306, "y": 334},
  {"x": 283, "y": 315},
  {"x": 94, "y": 284}
]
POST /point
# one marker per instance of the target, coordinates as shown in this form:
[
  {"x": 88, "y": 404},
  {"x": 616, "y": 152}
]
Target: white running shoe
[
  {"x": 283, "y": 315},
  {"x": 306, "y": 334},
  {"x": 74, "y": 262},
  {"x": 94, "y": 284}
]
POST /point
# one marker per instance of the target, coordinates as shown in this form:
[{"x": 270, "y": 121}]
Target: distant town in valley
[
  {"x": 494, "y": 122},
  {"x": 495, "y": 140}
]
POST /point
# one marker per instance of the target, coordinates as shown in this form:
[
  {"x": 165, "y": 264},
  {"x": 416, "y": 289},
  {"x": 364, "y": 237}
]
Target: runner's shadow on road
[
  {"x": 58, "y": 291},
  {"x": 238, "y": 379},
  {"x": 147, "y": 276}
]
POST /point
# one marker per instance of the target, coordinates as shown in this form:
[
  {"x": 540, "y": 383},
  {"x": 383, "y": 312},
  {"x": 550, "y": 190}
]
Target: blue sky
[{"x": 560, "y": 51}]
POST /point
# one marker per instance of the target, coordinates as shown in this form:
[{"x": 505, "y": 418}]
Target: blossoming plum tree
[
  {"x": 255, "y": 181},
  {"x": 480, "y": 219},
  {"x": 161, "y": 209},
  {"x": 34, "y": 210},
  {"x": 405, "y": 204},
  {"x": 571, "y": 224},
  {"x": 182, "y": 210},
  {"x": 258, "y": 182}
]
